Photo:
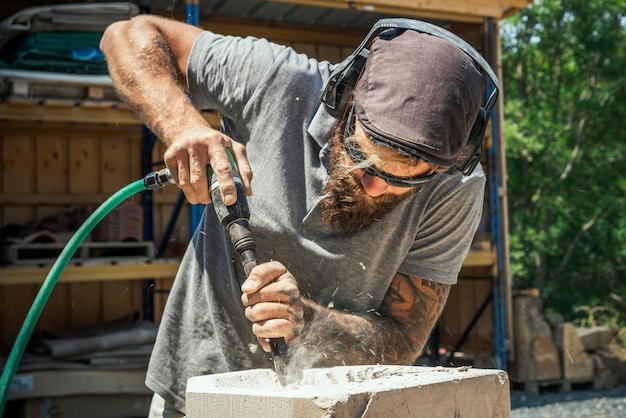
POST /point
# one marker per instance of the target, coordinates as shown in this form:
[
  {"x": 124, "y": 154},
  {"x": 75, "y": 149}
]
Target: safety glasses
[{"x": 358, "y": 157}]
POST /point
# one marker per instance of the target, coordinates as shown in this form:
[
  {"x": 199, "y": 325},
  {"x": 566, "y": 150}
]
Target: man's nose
[{"x": 374, "y": 186}]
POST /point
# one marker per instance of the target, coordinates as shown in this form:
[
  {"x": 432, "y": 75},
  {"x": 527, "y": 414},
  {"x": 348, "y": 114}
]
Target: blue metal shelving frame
[
  {"x": 192, "y": 16},
  {"x": 495, "y": 228}
]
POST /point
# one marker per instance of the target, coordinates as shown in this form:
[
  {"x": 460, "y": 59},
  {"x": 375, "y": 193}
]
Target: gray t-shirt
[{"x": 268, "y": 96}]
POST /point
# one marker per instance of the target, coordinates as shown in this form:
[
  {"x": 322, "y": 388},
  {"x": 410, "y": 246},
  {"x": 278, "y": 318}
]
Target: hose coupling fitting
[{"x": 158, "y": 179}]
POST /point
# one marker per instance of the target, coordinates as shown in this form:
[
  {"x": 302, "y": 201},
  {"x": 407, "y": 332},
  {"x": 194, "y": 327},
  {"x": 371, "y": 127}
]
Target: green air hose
[{"x": 154, "y": 180}]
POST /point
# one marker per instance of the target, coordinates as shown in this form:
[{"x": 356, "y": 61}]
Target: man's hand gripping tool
[{"x": 236, "y": 220}]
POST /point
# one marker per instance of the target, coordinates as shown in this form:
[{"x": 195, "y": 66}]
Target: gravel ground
[{"x": 609, "y": 403}]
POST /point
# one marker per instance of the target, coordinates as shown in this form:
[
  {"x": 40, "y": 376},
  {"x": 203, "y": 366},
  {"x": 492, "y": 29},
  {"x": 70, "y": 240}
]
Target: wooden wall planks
[
  {"x": 75, "y": 161},
  {"x": 84, "y": 165}
]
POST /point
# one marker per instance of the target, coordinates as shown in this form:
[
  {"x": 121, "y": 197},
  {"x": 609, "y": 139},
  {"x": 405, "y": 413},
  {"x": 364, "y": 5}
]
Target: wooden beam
[
  {"x": 69, "y": 128},
  {"x": 64, "y": 112},
  {"x": 386, "y": 9},
  {"x": 477, "y": 8},
  {"x": 20, "y": 275},
  {"x": 282, "y": 32},
  {"x": 516, "y": 4},
  {"x": 64, "y": 199},
  {"x": 486, "y": 258},
  {"x": 451, "y": 10},
  {"x": 164, "y": 268}
]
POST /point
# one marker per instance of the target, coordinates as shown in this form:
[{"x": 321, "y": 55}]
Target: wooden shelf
[
  {"x": 484, "y": 258},
  {"x": 74, "y": 111},
  {"x": 32, "y": 110},
  {"x": 159, "y": 268}
]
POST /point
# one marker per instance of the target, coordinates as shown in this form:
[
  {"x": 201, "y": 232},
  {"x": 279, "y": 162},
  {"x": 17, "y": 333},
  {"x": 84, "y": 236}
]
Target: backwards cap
[{"x": 420, "y": 94}]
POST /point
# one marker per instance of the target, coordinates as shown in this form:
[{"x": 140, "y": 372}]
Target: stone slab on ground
[
  {"x": 536, "y": 355},
  {"x": 576, "y": 363},
  {"x": 595, "y": 338},
  {"x": 353, "y": 391}
]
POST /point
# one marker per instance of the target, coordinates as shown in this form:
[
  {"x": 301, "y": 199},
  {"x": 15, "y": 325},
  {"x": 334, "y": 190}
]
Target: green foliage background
[{"x": 564, "y": 84}]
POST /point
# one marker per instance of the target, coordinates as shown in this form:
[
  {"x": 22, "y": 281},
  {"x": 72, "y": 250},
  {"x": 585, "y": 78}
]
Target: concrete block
[
  {"x": 536, "y": 356},
  {"x": 353, "y": 391},
  {"x": 545, "y": 362},
  {"x": 575, "y": 361},
  {"x": 595, "y": 338}
]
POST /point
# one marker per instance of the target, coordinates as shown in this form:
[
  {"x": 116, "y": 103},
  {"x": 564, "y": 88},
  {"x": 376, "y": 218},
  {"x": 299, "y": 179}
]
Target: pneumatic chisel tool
[{"x": 235, "y": 219}]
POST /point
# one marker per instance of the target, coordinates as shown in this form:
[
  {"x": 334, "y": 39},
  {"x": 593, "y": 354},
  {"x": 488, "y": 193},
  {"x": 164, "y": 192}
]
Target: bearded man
[{"x": 359, "y": 214}]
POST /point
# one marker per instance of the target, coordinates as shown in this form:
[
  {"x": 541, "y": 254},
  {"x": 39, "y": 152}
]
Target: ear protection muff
[
  {"x": 475, "y": 143},
  {"x": 340, "y": 86}
]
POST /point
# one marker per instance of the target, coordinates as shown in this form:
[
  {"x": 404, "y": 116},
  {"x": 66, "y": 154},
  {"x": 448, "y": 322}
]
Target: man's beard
[{"x": 346, "y": 207}]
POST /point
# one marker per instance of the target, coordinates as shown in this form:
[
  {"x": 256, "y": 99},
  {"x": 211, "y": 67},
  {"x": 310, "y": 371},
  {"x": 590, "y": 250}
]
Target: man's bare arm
[
  {"x": 147, "y": 60},
  {"x": 395, "y": 334}
]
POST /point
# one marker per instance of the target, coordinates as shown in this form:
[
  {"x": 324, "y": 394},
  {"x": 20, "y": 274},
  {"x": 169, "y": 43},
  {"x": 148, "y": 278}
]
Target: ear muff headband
[{"x": 340, "y": 86}]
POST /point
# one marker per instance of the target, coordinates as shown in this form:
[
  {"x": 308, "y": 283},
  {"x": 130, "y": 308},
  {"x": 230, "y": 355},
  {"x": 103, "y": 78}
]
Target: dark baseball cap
[{"x": 419, "y": 94}]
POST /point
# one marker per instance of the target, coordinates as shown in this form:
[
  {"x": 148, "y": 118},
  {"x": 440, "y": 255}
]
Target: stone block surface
[
  {"x": 545, "y": 362},
  {"x": 536, "y": 356},
  {"x": 576, "y": 363},
  {"x": 353, "y": 391},
  {"x": 594, "y": 338}
]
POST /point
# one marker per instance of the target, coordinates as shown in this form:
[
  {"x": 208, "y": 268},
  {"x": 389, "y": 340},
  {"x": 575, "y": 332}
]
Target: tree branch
[
  {"x": 570, "y": 248},
  {"x": 585, "y": 95}
]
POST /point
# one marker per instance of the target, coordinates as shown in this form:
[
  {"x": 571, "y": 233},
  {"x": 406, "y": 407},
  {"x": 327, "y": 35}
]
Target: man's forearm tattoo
[
  {"x": 395, "y": 334},
  {"x": 416, "y": 305}
]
